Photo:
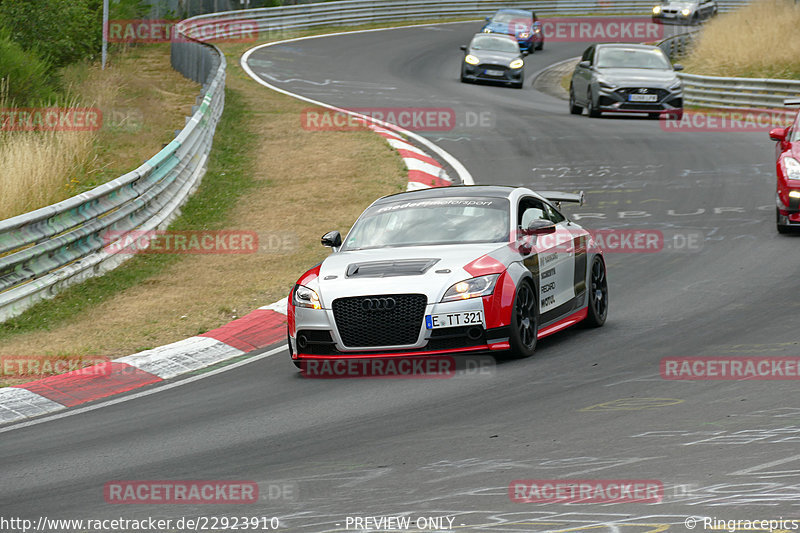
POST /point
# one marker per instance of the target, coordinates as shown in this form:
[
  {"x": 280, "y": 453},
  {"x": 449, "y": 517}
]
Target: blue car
[{"x": 524, "y": 25}]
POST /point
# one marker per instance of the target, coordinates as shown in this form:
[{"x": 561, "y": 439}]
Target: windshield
[
  {"x": 494, "y": 44},
  {"x": 505, "y": 18},
  {"x": 631, "y": 58},
  {"x": 795, "y": 133},
  {"x": 431, "y": 221}
]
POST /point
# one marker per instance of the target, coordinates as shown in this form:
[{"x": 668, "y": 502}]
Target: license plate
[
  {"x": 451, "y": 320},
  {"x": 494, "y": 72},
  {"x": 643, "y": 98}
]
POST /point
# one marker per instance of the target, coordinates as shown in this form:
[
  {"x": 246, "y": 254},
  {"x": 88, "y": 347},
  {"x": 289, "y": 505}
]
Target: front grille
[
  {"x": 399, "y": 325},
  {"x": 500, "y": 68}
]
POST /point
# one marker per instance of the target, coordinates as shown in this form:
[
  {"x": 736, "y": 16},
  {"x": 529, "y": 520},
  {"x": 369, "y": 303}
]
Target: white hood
[{"x": 334, "y": 283}]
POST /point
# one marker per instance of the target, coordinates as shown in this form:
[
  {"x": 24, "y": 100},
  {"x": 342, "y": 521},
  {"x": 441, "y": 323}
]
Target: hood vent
[{"x": 385, "y": 269}]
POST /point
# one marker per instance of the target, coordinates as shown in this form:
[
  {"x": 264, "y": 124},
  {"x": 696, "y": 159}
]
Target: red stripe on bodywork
[
  {"x": 564, "y": 323},
  {"x": 258, "y": 329},
  {"x": 428, "y": 179},
  {"x": 481, "y": 348},
  {"x": 414, "y": 155},
  {"x": 91, "y": 383},
  {"x": 497, "y": 306}
]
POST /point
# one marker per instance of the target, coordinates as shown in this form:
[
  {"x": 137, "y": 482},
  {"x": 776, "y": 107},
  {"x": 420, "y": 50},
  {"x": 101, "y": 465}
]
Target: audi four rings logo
[{"x": 378, "y": 304}]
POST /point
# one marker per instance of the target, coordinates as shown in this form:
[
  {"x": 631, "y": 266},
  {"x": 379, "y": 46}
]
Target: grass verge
[
  {"x": 141, "y": 102},
  {"x": 759, "y": 40},
  {"x": 266, "y": 174}
]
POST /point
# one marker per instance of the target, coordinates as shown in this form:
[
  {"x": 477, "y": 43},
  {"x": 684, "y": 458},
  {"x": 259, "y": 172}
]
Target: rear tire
[
  {"x": 598, "y": 294},
  {"x": 524, "y": 321}
]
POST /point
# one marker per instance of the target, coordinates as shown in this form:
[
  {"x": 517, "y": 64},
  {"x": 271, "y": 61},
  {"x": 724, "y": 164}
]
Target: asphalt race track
[{"x": 589, "y": 405}]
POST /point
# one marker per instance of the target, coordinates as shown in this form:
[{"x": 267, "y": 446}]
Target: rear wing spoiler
[
  {"x": 558, "y": 197},
  {"x": 791, "y": 101}
]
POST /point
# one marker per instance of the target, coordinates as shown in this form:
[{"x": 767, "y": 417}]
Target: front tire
[
  {"x": 593, "y": 112},
  {"x": 598, "y": 294},
  {"x": 782, "y": 229},
  {"x": 524, "y": 321},
  {"x": 574, "y": 108}
]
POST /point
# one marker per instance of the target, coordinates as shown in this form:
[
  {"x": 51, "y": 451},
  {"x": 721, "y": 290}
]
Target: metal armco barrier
[
  {"x": 56, "y": 246},
  {"x": 353, "y": 12},
  {"x": 53, "y": 247},
  {"x": 713, "y": 91},
  {"x": 733, "y": 93}
]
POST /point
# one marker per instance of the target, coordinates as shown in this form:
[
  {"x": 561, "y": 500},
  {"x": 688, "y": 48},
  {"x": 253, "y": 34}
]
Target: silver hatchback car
[{"x": 626, "y": 78}]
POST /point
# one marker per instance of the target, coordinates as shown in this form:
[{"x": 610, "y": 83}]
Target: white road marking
[{"x": 461, "y": 170}]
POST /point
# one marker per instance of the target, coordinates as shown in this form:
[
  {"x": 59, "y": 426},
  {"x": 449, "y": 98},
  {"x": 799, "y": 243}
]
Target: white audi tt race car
[{"x": 450, "y": 270}]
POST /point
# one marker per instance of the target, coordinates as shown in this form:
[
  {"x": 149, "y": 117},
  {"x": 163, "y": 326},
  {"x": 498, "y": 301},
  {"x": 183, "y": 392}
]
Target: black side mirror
[
  {"x": 540, "y": 226},
  {"x": 332, "y": 239},
  {"x": 464, "y": 47},
  {"x": 677, "y": 66},
  {"x": 584, "y": 64},
  {"x": 488, "y": 19}
]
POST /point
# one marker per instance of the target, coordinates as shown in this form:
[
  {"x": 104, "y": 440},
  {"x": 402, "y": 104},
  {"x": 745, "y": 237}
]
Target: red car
[{"x": 788, "y": 168}]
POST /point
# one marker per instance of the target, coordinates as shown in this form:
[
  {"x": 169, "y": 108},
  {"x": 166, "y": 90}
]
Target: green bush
[
  {"x": 61, "y": 31},
  {"x": 24, "y": 77}
]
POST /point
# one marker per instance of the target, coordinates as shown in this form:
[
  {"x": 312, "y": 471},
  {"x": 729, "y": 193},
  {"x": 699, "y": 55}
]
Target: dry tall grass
[
  {"x": 758, "y": 40},
  {"x": 142, "y": 101},
  {"x": 38, "y": 168}
]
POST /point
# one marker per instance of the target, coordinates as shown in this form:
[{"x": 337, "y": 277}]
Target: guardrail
[
  {"x": 733, "y": 93},
  {"x": 353, "y": 12},
  {"x": 730, "y": 93},
  {"x": 50, "y": 248}
]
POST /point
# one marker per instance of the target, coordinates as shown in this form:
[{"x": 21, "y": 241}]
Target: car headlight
[
  {"x": 792, "y": 167},
  {"x": 471, "y": 288},
  {"x": 517, "y": 63},
  {"x": 686, "y": 11},
  {"x": 487, "y": 30},
  {"x": 524, "y": 35},
  {"x": 794, "y": 194},
  {"x": 537, "y": 30},
  {"x": 675, "y": 86},
  {"x": 471, "y": 59},
  {"x": 305, "y": 297},
  {"x": 657, "y": 10}
]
